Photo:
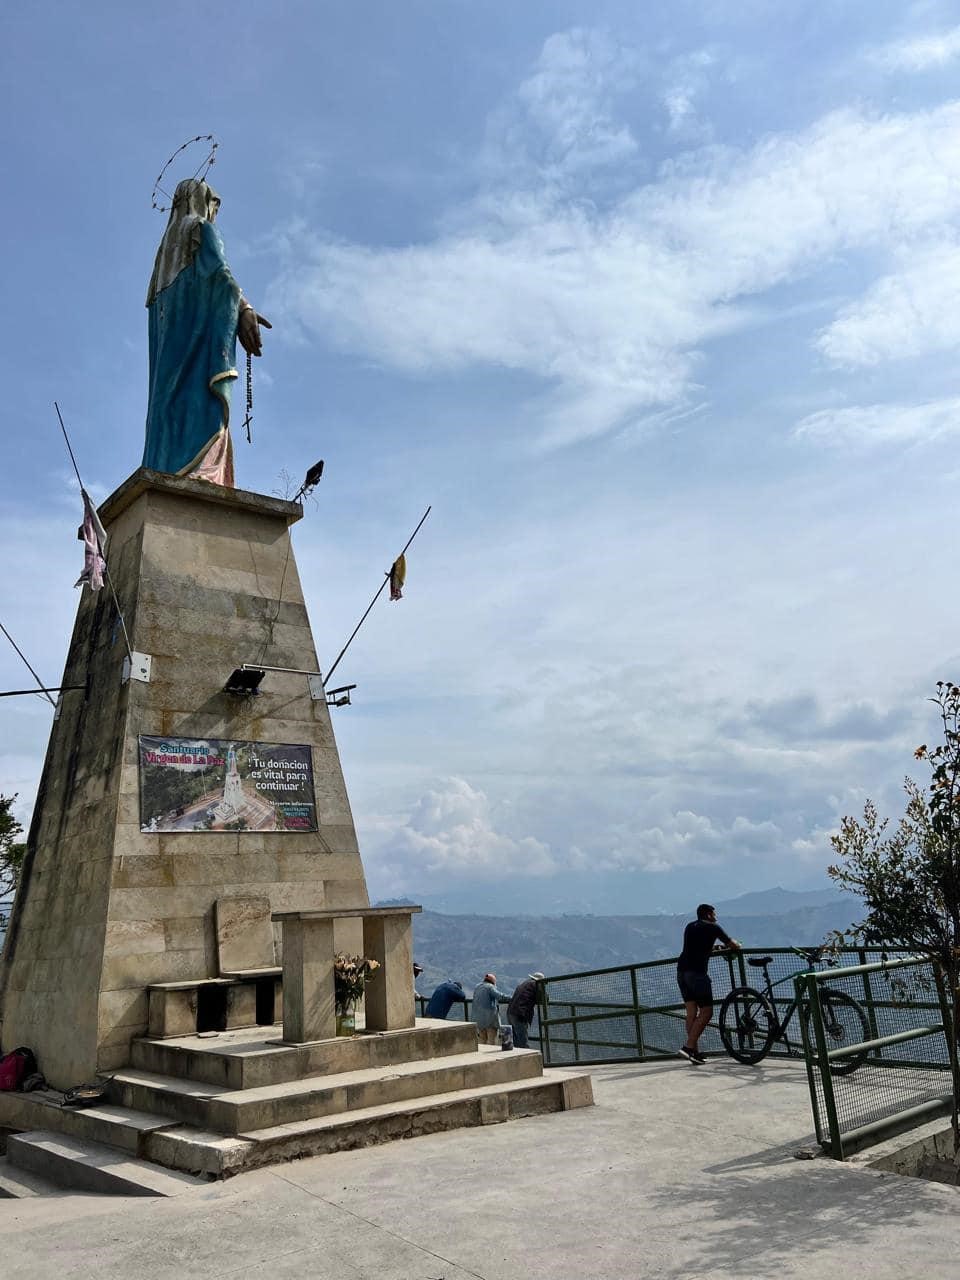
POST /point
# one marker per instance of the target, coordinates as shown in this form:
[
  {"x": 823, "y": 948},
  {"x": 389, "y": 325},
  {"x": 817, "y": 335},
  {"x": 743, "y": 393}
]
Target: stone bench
[
  {"x": 308, "y": 982},
  {"x": 247, "y": 991},
  {"x": 234, "y": 1000}
]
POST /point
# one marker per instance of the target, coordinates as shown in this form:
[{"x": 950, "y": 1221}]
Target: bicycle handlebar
[{"x": 812, "y": 955}]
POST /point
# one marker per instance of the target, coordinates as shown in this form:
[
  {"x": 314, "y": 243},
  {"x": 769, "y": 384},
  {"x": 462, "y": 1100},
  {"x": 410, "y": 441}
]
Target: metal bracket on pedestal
[{"x": 136, "y": 667}]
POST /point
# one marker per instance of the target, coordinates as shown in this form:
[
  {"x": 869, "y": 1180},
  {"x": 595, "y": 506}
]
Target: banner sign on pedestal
[{"x": 211, "y": 784}]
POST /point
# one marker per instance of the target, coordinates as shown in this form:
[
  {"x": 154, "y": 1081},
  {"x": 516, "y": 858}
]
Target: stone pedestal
[
  {"x": 389, "y": 1000},
  {"x": 308, "y": 1006},
  {"x": 207, "y": 580}
]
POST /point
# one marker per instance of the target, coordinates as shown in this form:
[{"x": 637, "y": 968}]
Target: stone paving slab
[{"x": 676, "y": 1172}]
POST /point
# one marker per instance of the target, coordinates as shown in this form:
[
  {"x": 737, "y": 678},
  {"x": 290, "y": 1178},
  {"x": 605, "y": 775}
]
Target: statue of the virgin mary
[{"x": 196, "y": 313}]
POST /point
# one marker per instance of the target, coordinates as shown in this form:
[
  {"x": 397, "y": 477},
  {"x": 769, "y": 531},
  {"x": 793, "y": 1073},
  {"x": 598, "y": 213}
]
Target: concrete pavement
[{"x": 677, "y": 1171}]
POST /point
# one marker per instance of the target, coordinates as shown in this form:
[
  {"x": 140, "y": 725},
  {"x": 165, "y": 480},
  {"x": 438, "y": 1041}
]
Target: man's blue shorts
[{"x": 696, "y": 987}]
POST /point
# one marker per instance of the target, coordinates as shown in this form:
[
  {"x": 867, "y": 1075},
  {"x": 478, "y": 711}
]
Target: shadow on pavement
[{"x": 757, "y": 1225}]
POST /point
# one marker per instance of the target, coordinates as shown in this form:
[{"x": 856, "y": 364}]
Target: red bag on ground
[{"x": 15, "y": 1067}]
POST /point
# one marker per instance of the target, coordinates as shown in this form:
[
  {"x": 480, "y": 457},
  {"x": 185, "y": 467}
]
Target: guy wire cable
[
  {"x": 43, "y": 687},
  {"x": 106, "y": 567},
  {"x": 386, "y": 579}
]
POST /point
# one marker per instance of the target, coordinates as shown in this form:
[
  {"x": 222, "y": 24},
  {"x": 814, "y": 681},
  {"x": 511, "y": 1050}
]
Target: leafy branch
[{"x": 12, "y": 850}]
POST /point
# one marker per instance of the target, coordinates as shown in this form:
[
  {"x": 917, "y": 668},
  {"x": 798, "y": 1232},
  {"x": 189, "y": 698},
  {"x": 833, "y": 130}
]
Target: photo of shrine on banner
[{"x": 209, "y": 784}]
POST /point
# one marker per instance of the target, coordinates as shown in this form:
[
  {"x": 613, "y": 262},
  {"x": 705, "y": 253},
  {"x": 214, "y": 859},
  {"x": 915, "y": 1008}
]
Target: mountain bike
[{"x": 749, "y": 1023}]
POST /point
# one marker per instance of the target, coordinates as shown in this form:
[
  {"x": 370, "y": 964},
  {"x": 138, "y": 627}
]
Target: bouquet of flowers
[{"x": 350, "y": 976}]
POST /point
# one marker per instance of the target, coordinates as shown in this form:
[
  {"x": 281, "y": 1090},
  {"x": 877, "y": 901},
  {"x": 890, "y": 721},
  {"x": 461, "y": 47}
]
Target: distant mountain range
[
  {"x": 464, "y": 947},
  {"x": 773, "y": 902}
]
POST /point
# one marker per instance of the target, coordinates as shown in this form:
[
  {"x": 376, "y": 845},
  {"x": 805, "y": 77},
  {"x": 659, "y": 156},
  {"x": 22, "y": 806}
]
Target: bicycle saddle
[{"x": 759, "y": 962}]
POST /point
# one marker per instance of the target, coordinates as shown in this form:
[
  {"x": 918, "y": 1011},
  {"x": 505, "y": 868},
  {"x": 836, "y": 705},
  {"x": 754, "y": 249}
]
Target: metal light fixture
[
  {"x": 310, "y": 481},
  {"x": 244, "y": 680},
  {"x": 339, "y": 697}
]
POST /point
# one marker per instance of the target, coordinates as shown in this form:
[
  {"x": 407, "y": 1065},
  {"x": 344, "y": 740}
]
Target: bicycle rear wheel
[
  {"x": 748, "y": 1025},
  {"x": 844, "y": 1023}
]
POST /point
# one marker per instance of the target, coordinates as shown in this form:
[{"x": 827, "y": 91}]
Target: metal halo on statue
[{"x": 201, "y": 172}]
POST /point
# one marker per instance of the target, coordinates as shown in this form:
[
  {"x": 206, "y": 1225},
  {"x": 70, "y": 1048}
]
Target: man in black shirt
[
  {"x": 700, "y": 937},
  {"x": 522, "y": 1007}
]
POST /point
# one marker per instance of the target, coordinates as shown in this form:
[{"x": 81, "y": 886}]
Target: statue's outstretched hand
[{"x": 248, "y": 329}]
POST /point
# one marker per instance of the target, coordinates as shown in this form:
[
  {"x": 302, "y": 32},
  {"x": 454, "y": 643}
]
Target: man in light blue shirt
[{"x": 485, "y": 1013}]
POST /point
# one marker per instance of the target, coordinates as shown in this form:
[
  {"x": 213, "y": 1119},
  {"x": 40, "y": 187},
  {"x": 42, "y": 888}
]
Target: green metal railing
[
  {"x": 634, "y": 1012},
  {"x": 897, "y": 1078}
]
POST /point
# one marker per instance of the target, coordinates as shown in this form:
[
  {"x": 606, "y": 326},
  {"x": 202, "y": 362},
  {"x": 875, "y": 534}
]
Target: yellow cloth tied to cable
[{"x": 398, "y": 575}]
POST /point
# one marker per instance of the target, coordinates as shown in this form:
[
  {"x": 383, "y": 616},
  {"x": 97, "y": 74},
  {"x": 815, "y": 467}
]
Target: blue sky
[{"x": 655, "y": 304}]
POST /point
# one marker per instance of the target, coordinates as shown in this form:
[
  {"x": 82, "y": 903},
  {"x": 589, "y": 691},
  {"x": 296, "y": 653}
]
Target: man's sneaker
[
  {"x": 700, "y": 1058},
  {"x": 691, "y": 1055}
]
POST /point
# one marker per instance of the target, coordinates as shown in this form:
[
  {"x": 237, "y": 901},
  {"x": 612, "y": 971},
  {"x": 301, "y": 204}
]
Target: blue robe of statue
[{"x": 193, "y": 343}]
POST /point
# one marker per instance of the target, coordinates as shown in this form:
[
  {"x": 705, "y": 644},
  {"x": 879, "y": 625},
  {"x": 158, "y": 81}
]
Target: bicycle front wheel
[
  {"x": 844, "y": 1023},
  {"x": 748, "y": 1025}
]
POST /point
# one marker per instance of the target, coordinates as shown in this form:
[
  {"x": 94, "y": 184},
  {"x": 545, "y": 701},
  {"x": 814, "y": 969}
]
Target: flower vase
[{"x": 347, "y": 1020}]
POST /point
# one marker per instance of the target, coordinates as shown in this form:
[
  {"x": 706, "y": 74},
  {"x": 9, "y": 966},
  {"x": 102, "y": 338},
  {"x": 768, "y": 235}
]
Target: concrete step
[
  {"x": 232, "y": 1112},
  {"x": 90, "y": 1166},
  {"x": 254, "y": 1057},
  {"x": 111, "y": 1125},
  {"x": 185, "y": 1147},
  {"x": 19, "y": 1184}
]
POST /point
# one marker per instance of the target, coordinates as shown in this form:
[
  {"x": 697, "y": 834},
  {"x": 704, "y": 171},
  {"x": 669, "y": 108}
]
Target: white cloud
[
  {"x": 452, "y": 833},
  {"x": 879, "y": 424},
  {"x": 920, "y": 54},
  {"x": 686, "y": 81},
  {"x": 909, "y": 313},
  {"x": 814, "y": 848},
  {"x": 684, "y": 839},
  {"x": 608, "y": 302},
  {"x": 563, "y": 114}
]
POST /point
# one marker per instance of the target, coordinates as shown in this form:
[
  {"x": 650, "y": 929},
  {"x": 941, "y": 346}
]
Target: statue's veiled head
[
  {"x": 194, "y": 198},
  {"x": 194, "y": 203}
]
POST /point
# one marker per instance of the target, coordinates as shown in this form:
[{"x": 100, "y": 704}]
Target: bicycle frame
[{"x": 782, "y": 1022}]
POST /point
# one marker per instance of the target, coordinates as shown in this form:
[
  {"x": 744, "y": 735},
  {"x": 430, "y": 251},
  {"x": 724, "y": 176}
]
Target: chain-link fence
[{"x": 877, "y": 1052}]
